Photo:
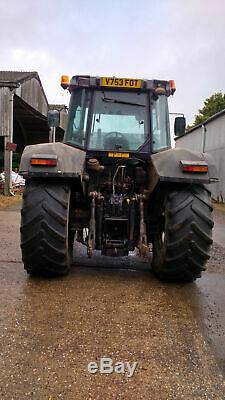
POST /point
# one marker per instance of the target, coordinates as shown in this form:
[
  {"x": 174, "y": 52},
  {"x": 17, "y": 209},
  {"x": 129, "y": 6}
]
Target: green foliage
[{"x": 212, "y": 105}]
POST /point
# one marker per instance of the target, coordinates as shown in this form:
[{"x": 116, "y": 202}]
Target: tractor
[{"x": 115, "y": 184}]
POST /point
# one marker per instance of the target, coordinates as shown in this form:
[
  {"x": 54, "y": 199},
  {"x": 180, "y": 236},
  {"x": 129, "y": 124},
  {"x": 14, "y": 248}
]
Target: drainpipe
[
  {"x": 204, "y": 137},
  {"x": 52, "y": 134}
]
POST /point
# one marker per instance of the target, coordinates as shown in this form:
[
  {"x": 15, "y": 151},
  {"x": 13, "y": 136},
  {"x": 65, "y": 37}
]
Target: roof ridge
[{"x": 17, "y": 76}]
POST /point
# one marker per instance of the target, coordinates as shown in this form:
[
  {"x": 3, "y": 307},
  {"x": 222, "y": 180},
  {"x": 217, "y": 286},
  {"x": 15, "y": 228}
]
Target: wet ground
[{"x": 51, "y": 329}]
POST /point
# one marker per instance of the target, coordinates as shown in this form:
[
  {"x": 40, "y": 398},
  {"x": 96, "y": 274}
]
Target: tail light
[
  {"x": 194, "y": 166},
  {"x": 44, "y": 160}
]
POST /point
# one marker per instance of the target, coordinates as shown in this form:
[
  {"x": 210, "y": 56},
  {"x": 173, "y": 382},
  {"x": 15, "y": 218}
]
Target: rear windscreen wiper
[{"x": 108, "y": 100}]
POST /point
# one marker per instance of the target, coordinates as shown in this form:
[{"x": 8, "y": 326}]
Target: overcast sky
[{"x": 166, "y": 39}]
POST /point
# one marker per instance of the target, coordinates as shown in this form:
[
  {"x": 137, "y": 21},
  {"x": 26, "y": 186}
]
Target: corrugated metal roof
[{"x": 17, "y": 76}]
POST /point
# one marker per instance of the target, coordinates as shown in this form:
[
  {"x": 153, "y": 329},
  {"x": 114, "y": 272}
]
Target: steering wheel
[{"x": 115, "y": 141}]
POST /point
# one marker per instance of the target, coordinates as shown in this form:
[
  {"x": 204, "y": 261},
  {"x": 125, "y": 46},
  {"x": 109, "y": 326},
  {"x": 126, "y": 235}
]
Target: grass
[{"x": 6, "y": 201}]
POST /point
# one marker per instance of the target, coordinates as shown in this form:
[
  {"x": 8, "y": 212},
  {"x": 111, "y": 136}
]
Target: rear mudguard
[
  {"x": 70, "y": 161},
  {"x": 165, "y": 167}
]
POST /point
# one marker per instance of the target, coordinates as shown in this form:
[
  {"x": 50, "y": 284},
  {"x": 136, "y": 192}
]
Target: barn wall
[{"x": 213, "y": 143}]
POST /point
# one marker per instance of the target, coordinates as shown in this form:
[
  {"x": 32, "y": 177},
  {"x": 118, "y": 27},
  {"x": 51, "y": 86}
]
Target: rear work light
[
  {"x": 194, "y": 166},
  {"x": 43, "y": 161}
]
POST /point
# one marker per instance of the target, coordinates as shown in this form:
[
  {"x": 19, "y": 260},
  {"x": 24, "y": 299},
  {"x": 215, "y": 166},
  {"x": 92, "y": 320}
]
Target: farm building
[
  {"x": 209, "y": 138},
  {"x": 30, "y": 107}
]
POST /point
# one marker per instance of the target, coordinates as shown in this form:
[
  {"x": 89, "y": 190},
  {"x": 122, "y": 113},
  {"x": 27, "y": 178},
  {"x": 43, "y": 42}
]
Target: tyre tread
[
  {"x": 44, "y": 228},
  {"x": 188, "y": 235}
]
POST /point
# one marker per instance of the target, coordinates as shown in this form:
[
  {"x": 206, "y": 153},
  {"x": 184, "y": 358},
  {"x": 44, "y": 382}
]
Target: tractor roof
[{"x": 85, "y": 81}]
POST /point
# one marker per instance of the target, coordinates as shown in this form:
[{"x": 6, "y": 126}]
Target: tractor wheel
[
  {"x": 184, "y": 236},
  {"x": 46, "y": 241}
]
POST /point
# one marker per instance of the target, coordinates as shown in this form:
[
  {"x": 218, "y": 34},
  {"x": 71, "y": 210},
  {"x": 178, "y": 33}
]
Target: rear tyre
[
  {"x": 46, "y": 241},
  {"x": 181, "y": 246}
]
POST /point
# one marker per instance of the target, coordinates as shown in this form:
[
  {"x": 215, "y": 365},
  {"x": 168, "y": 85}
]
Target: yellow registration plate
[
  {"x": 118, "y": 155},
  {"x": 121, "y": 82}
]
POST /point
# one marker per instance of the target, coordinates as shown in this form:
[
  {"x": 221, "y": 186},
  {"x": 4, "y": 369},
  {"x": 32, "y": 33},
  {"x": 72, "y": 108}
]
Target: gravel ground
[
  {"x": 217, "y": 260},
  {"x": 52, "y": 329},
  {"x": 219, "y": 213}
]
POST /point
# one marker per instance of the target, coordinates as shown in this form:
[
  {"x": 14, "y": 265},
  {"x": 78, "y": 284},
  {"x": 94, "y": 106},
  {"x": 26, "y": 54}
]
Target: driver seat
[{"x": 116, "y": 143}]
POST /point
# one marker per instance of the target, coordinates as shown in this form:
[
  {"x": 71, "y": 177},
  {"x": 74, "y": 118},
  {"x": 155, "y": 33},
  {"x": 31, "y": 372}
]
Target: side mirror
[
  {"x": 53, "y": 118},
  {"x": 179, "y": 126}
]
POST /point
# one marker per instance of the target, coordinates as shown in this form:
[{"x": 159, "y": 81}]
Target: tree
[{"x": 212, "y": 105}]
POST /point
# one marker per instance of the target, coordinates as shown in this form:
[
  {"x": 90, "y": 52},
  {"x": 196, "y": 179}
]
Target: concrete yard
[{"x": 51, "y": 329}]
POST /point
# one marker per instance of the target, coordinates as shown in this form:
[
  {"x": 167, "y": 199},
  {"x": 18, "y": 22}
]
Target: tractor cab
[{"x": 119, "y": 115}]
